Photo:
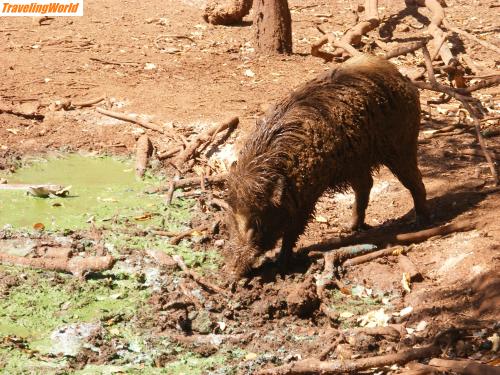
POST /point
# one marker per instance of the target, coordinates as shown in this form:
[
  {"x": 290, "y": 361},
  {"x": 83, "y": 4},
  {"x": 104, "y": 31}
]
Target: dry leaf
[
  {"x": 38, "y": 226},
  {"x": 405, "y": 282}
]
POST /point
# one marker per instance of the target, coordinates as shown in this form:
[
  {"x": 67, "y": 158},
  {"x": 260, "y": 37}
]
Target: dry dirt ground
[{"x": 161, "y": 59}]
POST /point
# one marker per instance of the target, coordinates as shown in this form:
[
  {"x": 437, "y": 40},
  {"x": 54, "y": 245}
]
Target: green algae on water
[{"x": 102, "y": 188}]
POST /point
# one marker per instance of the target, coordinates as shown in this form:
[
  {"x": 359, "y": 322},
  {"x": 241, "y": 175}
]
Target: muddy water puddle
[{"x": 101, "y": 189}]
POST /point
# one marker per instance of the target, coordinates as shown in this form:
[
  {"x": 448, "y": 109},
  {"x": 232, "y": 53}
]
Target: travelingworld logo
[{"x": 41, "y": 8}]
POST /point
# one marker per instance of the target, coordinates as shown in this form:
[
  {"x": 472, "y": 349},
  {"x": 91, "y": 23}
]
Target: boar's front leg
[
  {"x": 362, "y": 184},
  {"x": 289, "y": 240}
]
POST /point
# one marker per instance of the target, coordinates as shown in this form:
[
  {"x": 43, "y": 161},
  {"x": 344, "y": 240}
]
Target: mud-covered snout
[{"x": 244, "y": 244}]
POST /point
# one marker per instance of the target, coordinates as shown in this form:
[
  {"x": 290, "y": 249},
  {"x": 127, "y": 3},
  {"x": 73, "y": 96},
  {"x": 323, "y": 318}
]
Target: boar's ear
[
  {"x": 232, "y": 167},
  {"x": 278, "y": 191}
]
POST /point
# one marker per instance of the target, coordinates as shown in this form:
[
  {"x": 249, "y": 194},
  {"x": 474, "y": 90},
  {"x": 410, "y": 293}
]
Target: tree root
[{"x": 315, "y": 366}]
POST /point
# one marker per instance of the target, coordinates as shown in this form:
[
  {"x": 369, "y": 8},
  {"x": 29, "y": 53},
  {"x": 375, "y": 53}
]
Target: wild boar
[{"x": 331, "y": 133}]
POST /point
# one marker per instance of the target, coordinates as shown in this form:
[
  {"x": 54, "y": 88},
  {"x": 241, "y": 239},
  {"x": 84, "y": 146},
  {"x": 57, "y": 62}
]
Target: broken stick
[{"x": 143, "y": 152}]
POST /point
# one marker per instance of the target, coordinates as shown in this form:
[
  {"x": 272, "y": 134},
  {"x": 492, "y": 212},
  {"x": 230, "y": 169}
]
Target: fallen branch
[
  {"x": 382, "y": 239},
  {"x": 344, "y": 253},
  {"x": 190, "y": 296},
  {"x": 203, "y": 137},
  {"x": 489, "y": 159},
  {"x": 353, "y": 366},
  {"x": 418, "y": 74},
  {"x": 434, "y": 29},
  {"x": 465, "y": 366},
  {"x": 78, "y": 266},
  {"x": 403, "y": 50},
  {"x": 409, "y": 268},
  {"x": 396, "y": 250},
  {"x": 192, "y": 182},
  {"x": 200, "y": 280},
  {"x": 351, "y": 37},
  {"x": 135, "y": 119}
]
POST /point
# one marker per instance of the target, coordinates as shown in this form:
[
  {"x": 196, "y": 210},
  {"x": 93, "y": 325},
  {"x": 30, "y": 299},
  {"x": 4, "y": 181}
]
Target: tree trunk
[{"x": 273, "y": 27}]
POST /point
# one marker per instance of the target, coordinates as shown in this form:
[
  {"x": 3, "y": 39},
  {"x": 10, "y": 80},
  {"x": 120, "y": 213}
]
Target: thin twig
[{"x": 136, "y": 119}]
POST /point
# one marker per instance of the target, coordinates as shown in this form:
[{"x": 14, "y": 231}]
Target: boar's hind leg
[
  {"x": 361, "y": 184},
  {"x": 407, "y": 172}
]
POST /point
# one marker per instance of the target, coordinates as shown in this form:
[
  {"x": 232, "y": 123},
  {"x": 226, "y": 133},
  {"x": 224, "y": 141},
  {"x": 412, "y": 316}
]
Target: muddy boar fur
[{"x": 333, "y": 132}]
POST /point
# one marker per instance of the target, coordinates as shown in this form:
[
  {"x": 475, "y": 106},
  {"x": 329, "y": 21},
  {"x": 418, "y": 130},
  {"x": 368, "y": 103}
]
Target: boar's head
[{"x": 256, "y": 218}]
